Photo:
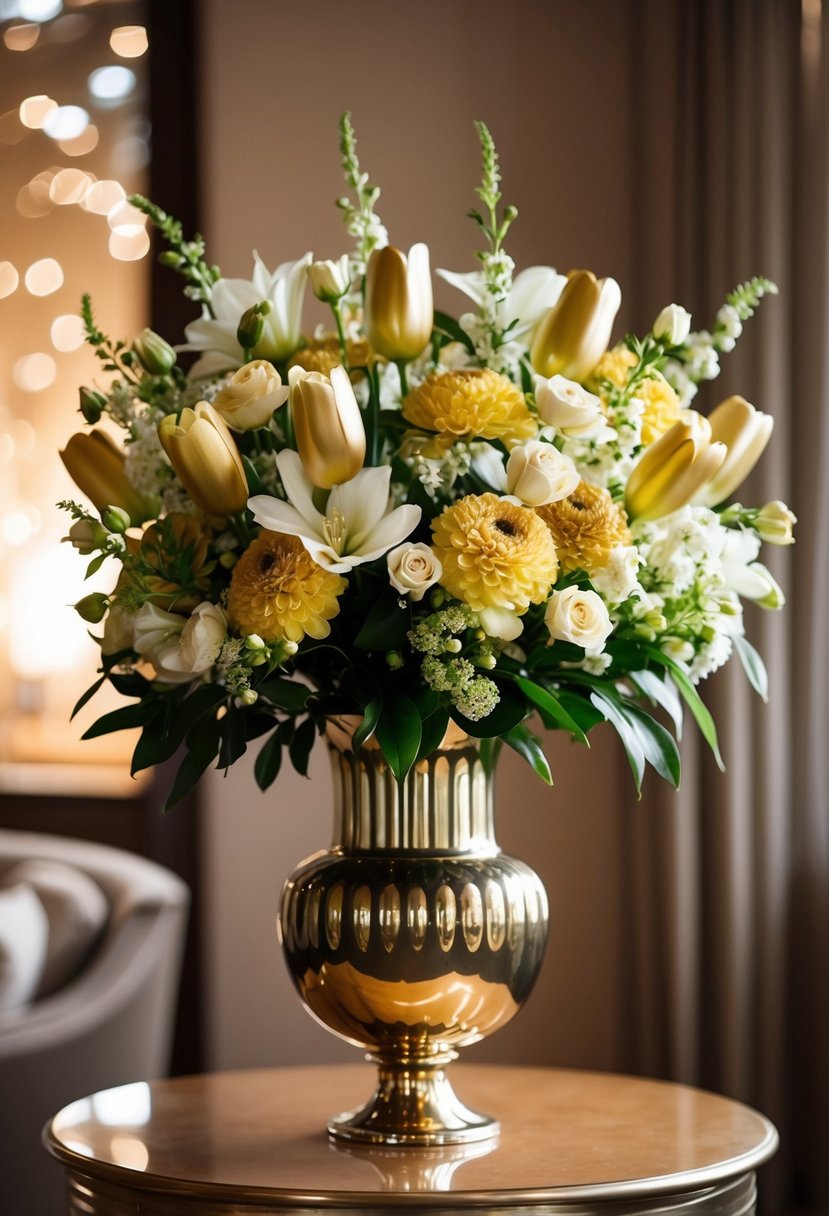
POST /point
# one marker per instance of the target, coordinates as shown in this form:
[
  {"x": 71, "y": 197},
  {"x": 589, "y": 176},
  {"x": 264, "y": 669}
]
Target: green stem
[
  {"x": 338, "y": 317},
  {"x": 404, "y": 380},
  {"x": 374, "y": 415}
]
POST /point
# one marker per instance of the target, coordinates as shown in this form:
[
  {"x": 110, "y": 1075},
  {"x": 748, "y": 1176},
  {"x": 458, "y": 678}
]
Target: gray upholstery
[{"x": 111, "y": 1024}]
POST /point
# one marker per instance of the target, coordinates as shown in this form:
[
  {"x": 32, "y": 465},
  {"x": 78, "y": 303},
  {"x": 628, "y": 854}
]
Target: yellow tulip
[
  {"x": 575, "y": 333},
  {"x": 202, "y": 452},
  {"x": 673, "y": 469},
  {"x": 330, "y": 436},
  {"x": 97, "y": 466},
  {"x": 399, "y": 306},
  {"x": 745, "y": 432}
]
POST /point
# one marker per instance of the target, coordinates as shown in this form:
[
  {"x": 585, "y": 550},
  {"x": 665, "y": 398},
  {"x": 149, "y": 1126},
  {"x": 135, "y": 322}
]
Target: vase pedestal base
[{"x": 414, "y": 1104}]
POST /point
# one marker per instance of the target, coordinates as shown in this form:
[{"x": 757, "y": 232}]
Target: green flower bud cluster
[{"x": 474, "y": 695}]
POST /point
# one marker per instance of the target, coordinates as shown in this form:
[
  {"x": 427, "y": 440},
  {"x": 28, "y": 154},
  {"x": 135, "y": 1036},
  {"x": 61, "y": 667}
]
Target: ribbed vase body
[{"x": 413, "y": 935}]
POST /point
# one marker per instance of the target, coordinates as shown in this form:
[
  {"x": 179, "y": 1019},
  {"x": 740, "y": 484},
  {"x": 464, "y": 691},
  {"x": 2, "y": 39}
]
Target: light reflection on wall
[{"x": 74, "y": 142}]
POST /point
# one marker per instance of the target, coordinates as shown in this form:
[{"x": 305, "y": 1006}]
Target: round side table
[{"x": 570, "y": 1142}]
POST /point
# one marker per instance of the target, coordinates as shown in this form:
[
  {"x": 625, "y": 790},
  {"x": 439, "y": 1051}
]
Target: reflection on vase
[
  {"x": 417, "y": 1169},
  {"x": 413, "y": 935}
]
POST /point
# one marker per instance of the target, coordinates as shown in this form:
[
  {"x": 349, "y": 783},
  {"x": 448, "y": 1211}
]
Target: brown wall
[{"x": 554, "y": 81}]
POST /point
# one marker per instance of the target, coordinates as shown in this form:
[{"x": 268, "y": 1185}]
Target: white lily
[
  {"x": 284, "y": 289},
  {"x": 533, "y": 292},
  {"x": 357, "y": 526}
]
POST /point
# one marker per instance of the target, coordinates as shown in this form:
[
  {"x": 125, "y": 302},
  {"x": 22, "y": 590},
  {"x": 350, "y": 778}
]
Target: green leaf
[
  {"x": 286, "y": 694},
  {"x": 268, "y": 762},
  {"x": 399, "y": 731},
  {"x": 95, "y": 565},
  {"x": 385, "y": 626},
  {"x": 611, "y": 710},
  {"x": 692, "y": 699},
  {"x": 549, "y": 704},
  {"x": 521, "y": 740},
  {"x": 433, "y": 730},
  {"x": 152, "y": 748},
  {"x": 753, "y": 666},
  {"x": 202, "y": 749},
  {"x": 660, "y": 692},
  {"x": 300, "y": 746},
  {"x": 580, "y": 709},
  {"x": 371, "y": 716},
  {"x": 510, "y": 711},
  {"x": 87, "y": 696},
  {"x": 490, "y": 749},
  {"x": 130, "y": 685},
  {"x": 252, "y": 477},
  {"x": 658, "y": 744},
  {"x": 449, "y": 327},
  {"x": 234, "y": 741},
  {"x": 122, "y": 719}
]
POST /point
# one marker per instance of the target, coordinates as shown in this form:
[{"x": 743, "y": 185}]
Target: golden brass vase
[{"x": 413, "y": 935}]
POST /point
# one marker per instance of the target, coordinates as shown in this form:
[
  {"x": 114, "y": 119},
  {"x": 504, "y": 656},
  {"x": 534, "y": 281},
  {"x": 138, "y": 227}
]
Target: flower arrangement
[{"x": 414, "y": 518}]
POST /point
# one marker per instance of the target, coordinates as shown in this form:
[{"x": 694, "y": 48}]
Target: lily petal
[
  {"x": 298, "y": 488},
  {"x": 390, "y": 531}
]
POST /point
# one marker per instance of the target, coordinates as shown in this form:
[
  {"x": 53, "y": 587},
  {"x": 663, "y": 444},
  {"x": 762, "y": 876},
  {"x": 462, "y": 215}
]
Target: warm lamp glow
[
  {"x": 129, "y": 41},
  {"x": 9, "y": 279},
  {"x": 20, "y": 524},
  {"x": 44, "y": 638},
  {"x": 67, "y": 332},
  {"x": 35, "y": 110},
  {"x": 21, "y": 37},
  {"x": 129, "y": 1152},
  {"x": 33, "y": 373},
  {"x": 44, "y": 277},
  {"x": 22, "y": 435}
]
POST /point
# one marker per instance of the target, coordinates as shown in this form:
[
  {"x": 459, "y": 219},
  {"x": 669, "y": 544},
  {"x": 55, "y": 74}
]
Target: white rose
[
  {"x": 413, "y": 569},
  {"x": 251, "y": 395},
  {"x": 672, "y": 325},
  {"x": 537, "y": 473},
  {"x": 568, "y": 407},
  {"x": 202, "y": 638},
  {"x": 580, "y": 617},
  {"x": 156, "y": 638},
  {"x": 330, "y": 280}
]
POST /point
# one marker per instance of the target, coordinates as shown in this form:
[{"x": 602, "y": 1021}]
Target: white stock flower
[
  {"x": 748, "y": 577},
  {"x": 579, "y": 617},
  {"x": 537, "y": 473},
  {"x": 533, "y": 292},
  {"x": 569, "y": 407},
  {"x": 251, "y": 395},
  {"x": 672, "y": 325},
  {"x": 619, "y": 578},
  {"x": 413, "y": 569},
  {"x": 284, "y": 289},
  {"x": 358, "y": 524}
]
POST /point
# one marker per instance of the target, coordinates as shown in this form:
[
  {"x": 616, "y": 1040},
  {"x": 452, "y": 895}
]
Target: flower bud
[
  {"x": 673, "y": 325},
  {"x": 86, "y": 536},
  {"x": 249, "y": 696},
  {"x": 673, "y": 469},
  {"x": 97, "y": 467},
  {"x": 92, "y": 405},
  {"x": 774, "y": 523},
  {"x": 93, "y": 608},
  {"x": 575, "y": 333},
  {"x": 330, "y": 435},
  {"x": 538, "y": 473},
  {"x": 453, "y": 646},
  {"x": 745, "y": 432},
  {"x": 254, "y": 642},
  {"x": 202, "y": 451},
  {"x": 251, "y": 395},
  {"x": 252, "y": 325},
  {"x": 399, "y": 306},
  {"x": 170, "y": 258},
  {"x": 115, "y": 519},
  {"x": 330, "y": 280},
  {"x": 154, "y": 354},
  {"x": 228, "y": 559}
]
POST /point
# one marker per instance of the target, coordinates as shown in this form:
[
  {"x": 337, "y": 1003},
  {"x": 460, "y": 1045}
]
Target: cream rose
[
  {"x": 413, "y": 569},
  {"x": 580, "y": 617},
  {"x": 537, "y": 473},
  {"x": 156, "y": 638},
  {"x": 251, "y": 395},
  {"x": 202, "y": 638},
  {"x": 569, "y": 407}
]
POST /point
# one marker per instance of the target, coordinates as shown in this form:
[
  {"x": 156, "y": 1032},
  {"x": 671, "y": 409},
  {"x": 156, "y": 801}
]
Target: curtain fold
[{"x": 726, "y": 895}]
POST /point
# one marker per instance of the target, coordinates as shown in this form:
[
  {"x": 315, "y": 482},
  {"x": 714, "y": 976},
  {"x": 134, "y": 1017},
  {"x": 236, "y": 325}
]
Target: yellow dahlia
[
  {"x": 278, "y": 591},
  {"x": 585, "y": 526},
  {"x": 662, "y": 407},
  {"x": 323, "y": 354},
  {"x": 475, "y": 403},
  {"x": 494, "y": 554}
]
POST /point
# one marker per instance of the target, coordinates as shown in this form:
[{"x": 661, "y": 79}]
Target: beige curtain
[{"x": 726, "y": 896}]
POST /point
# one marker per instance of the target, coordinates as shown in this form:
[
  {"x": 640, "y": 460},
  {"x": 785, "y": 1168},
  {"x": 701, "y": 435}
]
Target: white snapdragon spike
[
  {"x": 618, "y": 579},
  {"x": 570, "y": 408},
  {"x": 358, "y": 525},
  {"x": 532, "y": 293},
  {"x": 284, "y": 289},
  {"x": 745, "y": 575},
  {"x": 537, "y": 473},
  {"x": 672, "y": 325}
]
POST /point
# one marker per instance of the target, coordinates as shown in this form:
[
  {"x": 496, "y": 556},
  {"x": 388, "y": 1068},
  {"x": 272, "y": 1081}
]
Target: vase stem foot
[{"x": 414, "y": 1104}]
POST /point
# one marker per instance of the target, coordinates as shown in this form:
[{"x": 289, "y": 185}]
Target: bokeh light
[
  {"x": 23, "y": 436},
  {"x": 112, "y": 83},
  {"x": 66, "y": 122},
  {"x": 36, "y": 109},
  {"x": 126, "y": 219},
  {"x": 103, "y": 196},
  {"x": 39, "y": 10},
  {"x": 34, "y": 373},
  {"x": 129, "y": 41},
  {"x": 86, "y": 142},
  {"x": 129, "y": 247},
  {"x": 9, "y": 279},
  {"x": 44, "y": 277},
  {"x": 21, "y": 37},
  {"x": 69, "y": 186},
  {"x": 67, "y": 332}
]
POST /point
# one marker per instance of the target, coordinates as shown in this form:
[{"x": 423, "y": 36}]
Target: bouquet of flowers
[{"x": 415, "y": 518}]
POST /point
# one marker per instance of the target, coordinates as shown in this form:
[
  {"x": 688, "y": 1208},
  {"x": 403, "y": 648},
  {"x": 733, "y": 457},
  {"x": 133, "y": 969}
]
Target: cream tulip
[
  {"x": 673, "y": 325},
  {"x": 330, "y": 280},
  {"x": 399, "y": 305},
  {"x": 575, "y": 333},
  {"x": 745, "y": 432},
  {"x": 98, "y": 468},
  {"x": 673, "y": 469},
  {"x": 330, "y": 436},
  {"x": 204, "y": 455}
]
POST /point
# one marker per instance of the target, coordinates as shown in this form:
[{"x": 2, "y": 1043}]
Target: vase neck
[{"x": 443, "y": 806}]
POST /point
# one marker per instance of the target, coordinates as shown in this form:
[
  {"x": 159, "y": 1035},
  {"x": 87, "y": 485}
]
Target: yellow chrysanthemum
[
  {"x": 171, "y": 562},
  {"x": 585, "y": 526},
  {"x": 476, "y": 403},
  {"x": 324, "y": 353},
  {"x": 494, "y": 554},
  {"x": 662, "y": 407},
  {"x": 278, "y": 591}
]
